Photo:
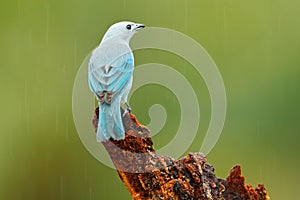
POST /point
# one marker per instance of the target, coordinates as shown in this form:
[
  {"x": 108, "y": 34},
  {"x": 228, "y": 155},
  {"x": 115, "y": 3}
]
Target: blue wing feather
[{"x": 117, "y": 79}]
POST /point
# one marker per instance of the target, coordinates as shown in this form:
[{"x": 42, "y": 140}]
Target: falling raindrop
[
  {"x": 261, "y": 174},
  {"x": 90, "y": 192},
  {"x": 224, "y": 19},
  {"x": 75, "y": 52},
  {"x": 47, "y": 163},
  {"x": 85, "y": 171},
  {"x": 258, "y": 129},
  {"x": 47, "y": 23},
  {"x": 26, "y": 107},
  {"x": 279, "y": 20},
  {"x": 10, "y": 143},
  {"x": 67, "y": 129},
  {"x": 19, "y": 8},
  {"x": 185, "y": 16},
  {"x": 56, "y": 117},
  {"x": 124, "y": 4},
  {"x": 64, "y": 70},
  {"x": 42, "y": 99},
  {"x": 61, "y": 187}
]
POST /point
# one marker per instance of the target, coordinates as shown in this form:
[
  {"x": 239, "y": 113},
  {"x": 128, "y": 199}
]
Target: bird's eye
[{"x": 128, "y": 26}]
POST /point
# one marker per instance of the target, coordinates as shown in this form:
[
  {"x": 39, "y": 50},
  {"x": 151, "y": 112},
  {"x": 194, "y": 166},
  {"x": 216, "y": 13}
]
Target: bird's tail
[{"x": 110, "y": 122}]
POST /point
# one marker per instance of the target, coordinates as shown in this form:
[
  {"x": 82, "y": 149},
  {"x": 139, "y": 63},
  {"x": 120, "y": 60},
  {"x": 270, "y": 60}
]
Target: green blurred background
[{"x": 255, "y": 44}]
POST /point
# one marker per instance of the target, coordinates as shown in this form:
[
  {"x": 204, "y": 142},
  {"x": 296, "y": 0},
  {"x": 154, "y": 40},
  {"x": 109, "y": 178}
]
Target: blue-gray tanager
[{"x": 110, "y": 78}]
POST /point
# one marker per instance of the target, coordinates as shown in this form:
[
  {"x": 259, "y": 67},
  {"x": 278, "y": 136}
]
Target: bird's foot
[{"x": 128, "y": 109}]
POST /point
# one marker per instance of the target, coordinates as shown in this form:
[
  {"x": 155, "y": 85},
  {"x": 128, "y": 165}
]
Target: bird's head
[{"x": 122, "y": 30}]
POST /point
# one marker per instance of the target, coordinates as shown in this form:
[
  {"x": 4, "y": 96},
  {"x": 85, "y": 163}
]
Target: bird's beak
[{"x": 139, "y": 26}]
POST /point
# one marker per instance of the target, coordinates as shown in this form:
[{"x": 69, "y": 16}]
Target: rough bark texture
[{"x": 148, "y": 175}]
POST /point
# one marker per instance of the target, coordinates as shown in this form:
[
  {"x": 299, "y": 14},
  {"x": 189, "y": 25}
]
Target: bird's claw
[
  {"x": 125, "y": 112},
  {"x": 128, "y": 109}
]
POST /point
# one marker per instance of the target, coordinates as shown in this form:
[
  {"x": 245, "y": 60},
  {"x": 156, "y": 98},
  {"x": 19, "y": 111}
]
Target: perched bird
[{"x": 110, "y": 73}]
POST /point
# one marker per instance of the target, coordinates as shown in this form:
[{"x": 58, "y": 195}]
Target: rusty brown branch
[{"x": 148, "y": 175}]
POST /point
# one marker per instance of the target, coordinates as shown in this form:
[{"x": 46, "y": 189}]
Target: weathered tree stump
[{"x": 148, "y": 175}]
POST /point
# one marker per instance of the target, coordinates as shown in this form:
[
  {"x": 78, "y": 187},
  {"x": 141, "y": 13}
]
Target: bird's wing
[{"x": 111, "y": 78}]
